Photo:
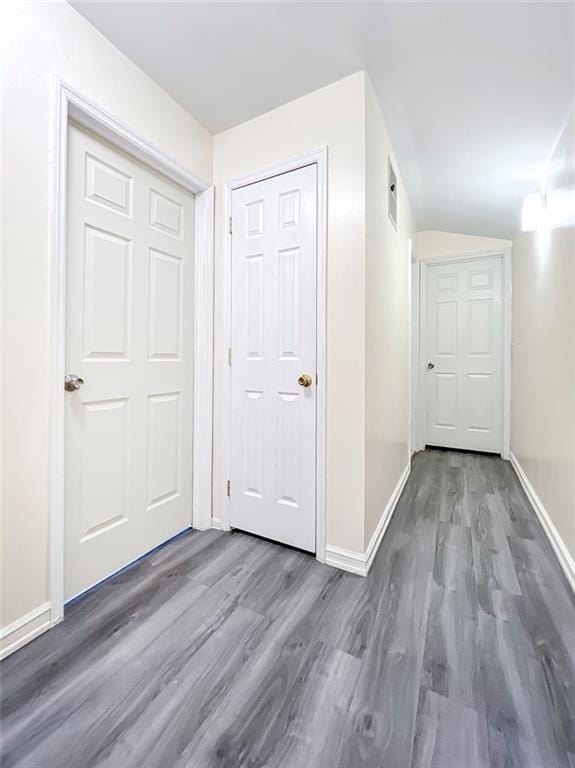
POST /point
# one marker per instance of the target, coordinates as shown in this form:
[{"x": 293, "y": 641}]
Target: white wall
[
  {"x": 47, "y": 41},
  {"x": 543, "y": 373},
  {"x": 387, "y": 323},
  {"x": 431, "y": 244},
  {"x": 332, "y": 116}
]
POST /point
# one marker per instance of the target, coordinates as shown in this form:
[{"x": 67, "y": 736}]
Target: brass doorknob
[{"x": 305, "y": 380}]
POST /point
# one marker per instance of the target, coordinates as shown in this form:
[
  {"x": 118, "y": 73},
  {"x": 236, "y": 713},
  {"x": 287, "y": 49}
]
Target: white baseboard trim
[
  {"x": 346, "y": 560},
  {"x": 218, "y": 525},
  {"x": 386, "y": 517},
  {"x": 559, "y": 547},
  {"x": 360, "y": 562},
  {"x": 25, "y": 629}
]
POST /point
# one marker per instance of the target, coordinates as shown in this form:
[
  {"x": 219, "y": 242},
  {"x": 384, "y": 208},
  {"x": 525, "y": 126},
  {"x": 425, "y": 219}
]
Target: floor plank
[{"x": 457, "y": 651}]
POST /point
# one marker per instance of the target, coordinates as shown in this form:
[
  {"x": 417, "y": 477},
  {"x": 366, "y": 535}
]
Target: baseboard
[
  {"x": 346, "y": 560},
  {"x": 559, "y": 547},
  {"x": 218, "y": 525},
  {"x": 25, "y": 629},
  {"x": 360, "y": 562},
  {"x": 385, "y": 519}
]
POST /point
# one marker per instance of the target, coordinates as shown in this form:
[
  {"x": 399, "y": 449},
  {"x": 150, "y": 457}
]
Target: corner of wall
[
  {"x": 543, "y": 364},
  {"x": 387, "y": 330}
]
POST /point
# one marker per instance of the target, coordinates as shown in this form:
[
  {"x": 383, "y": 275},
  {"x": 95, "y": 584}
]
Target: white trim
[
  {"x": 507, "y": 341},
  {"x": 563, "y": 555},
  {"x": 69, "y": 104},
  {"x": 481, "y": 253},
  {"x": 385, "y": 519},
  {"x": 203, "y": 360},
  {"x": 89, "y": 115},
  {"x": 414, "y": 308},
  {"x": 319, "y": 159},
  {"x": 25, "y": 629},
  {"x": 506, "y": 275},
  {"x": 420, "y": 417},
  {"x": 346, "y": 560},
  {"x": 361, "y": 562},
  {"x": 321, "y": 362}
]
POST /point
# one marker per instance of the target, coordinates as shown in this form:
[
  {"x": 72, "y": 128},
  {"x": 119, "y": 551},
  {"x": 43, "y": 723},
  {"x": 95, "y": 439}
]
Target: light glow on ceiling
[{"x": 532, "y": 212}]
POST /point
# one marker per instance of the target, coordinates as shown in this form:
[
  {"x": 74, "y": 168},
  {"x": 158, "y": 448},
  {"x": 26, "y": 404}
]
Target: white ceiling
[{"x": 474, "y": 94}]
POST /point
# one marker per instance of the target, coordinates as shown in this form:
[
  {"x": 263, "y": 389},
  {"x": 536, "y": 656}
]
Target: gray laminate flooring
[{"x": 222, "y": 649}]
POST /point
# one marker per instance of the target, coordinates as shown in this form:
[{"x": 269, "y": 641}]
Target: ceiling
[{"x": 474, "y": 94}]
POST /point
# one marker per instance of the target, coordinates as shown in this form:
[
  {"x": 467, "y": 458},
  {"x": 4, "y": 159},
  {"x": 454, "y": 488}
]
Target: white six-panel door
[
  {"x": 129, "y": 336},
  {"x": 464, "y": 355},
  {"x": 273, "y": 419}
]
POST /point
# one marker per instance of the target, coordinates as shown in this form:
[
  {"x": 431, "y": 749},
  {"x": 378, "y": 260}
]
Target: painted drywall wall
[
  {"x": 387, "y": 323},
  {"x": 432, "y": 245},
  {"x": 48, "y": 41},
  {"x": 543, "y": 368},
  {"x": 334, "y": 117}
]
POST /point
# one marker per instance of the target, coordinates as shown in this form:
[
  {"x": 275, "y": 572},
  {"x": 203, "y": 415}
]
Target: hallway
[{"x": 218, "y": 649}]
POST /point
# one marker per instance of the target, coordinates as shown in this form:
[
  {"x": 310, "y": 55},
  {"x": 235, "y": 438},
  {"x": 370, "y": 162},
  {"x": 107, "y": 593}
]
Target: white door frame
[
  {"x": 505, "y": 255},
  {"x": 70, "y": 105},
  {"x": 319, "y": 159},
  {"x": 414, "y": 323}
]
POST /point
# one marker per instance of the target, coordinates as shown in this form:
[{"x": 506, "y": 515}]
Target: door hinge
[
  {"x": 230, "y": 225},
  {"x": 229, "y": 487},
  {"x": 229, "y": 355}
]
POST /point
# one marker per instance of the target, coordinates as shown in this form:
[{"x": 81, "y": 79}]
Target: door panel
[
  {"x": 253, "y": 426},
  {"x": 129, "y": 335},
  {"x": 165, "y": 306},
  {"x": 274, "y": 261},
  {"x": 480, "y": 326},
  {"x": 464, "y": 346},
  {"x": 480, "y": 399},
  {"x": 446, "y": 328},
  {"x": 108, "y": 276},
  {"x": 446, "y": 400},
  {"x": 105, "y": 462},
  {"x": 164, "y": 459}
]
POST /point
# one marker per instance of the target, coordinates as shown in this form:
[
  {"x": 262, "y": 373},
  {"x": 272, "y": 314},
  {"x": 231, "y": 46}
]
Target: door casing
[
  {"x": 71, "y": 105},
  {"x": 414, "y": 344},
  {"x": 420, "y": 406},
  {"x": 318, "y": 158}
]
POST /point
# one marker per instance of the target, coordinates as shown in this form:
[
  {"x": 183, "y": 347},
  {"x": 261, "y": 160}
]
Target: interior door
[
  {"x": 273, "y": 358},
  {"x": 129, "y": 360},
  {"x": 464, "y": 354}
]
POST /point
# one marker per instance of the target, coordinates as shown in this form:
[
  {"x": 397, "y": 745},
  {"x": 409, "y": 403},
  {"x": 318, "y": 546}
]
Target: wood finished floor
[{"x": 457, "y": 651}]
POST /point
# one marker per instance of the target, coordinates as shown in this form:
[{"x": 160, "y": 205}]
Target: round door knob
[
  {"x": 72, "y": 382},
  {"x": 430, "y": 366},
  {"x": 305, "y": 380}
]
